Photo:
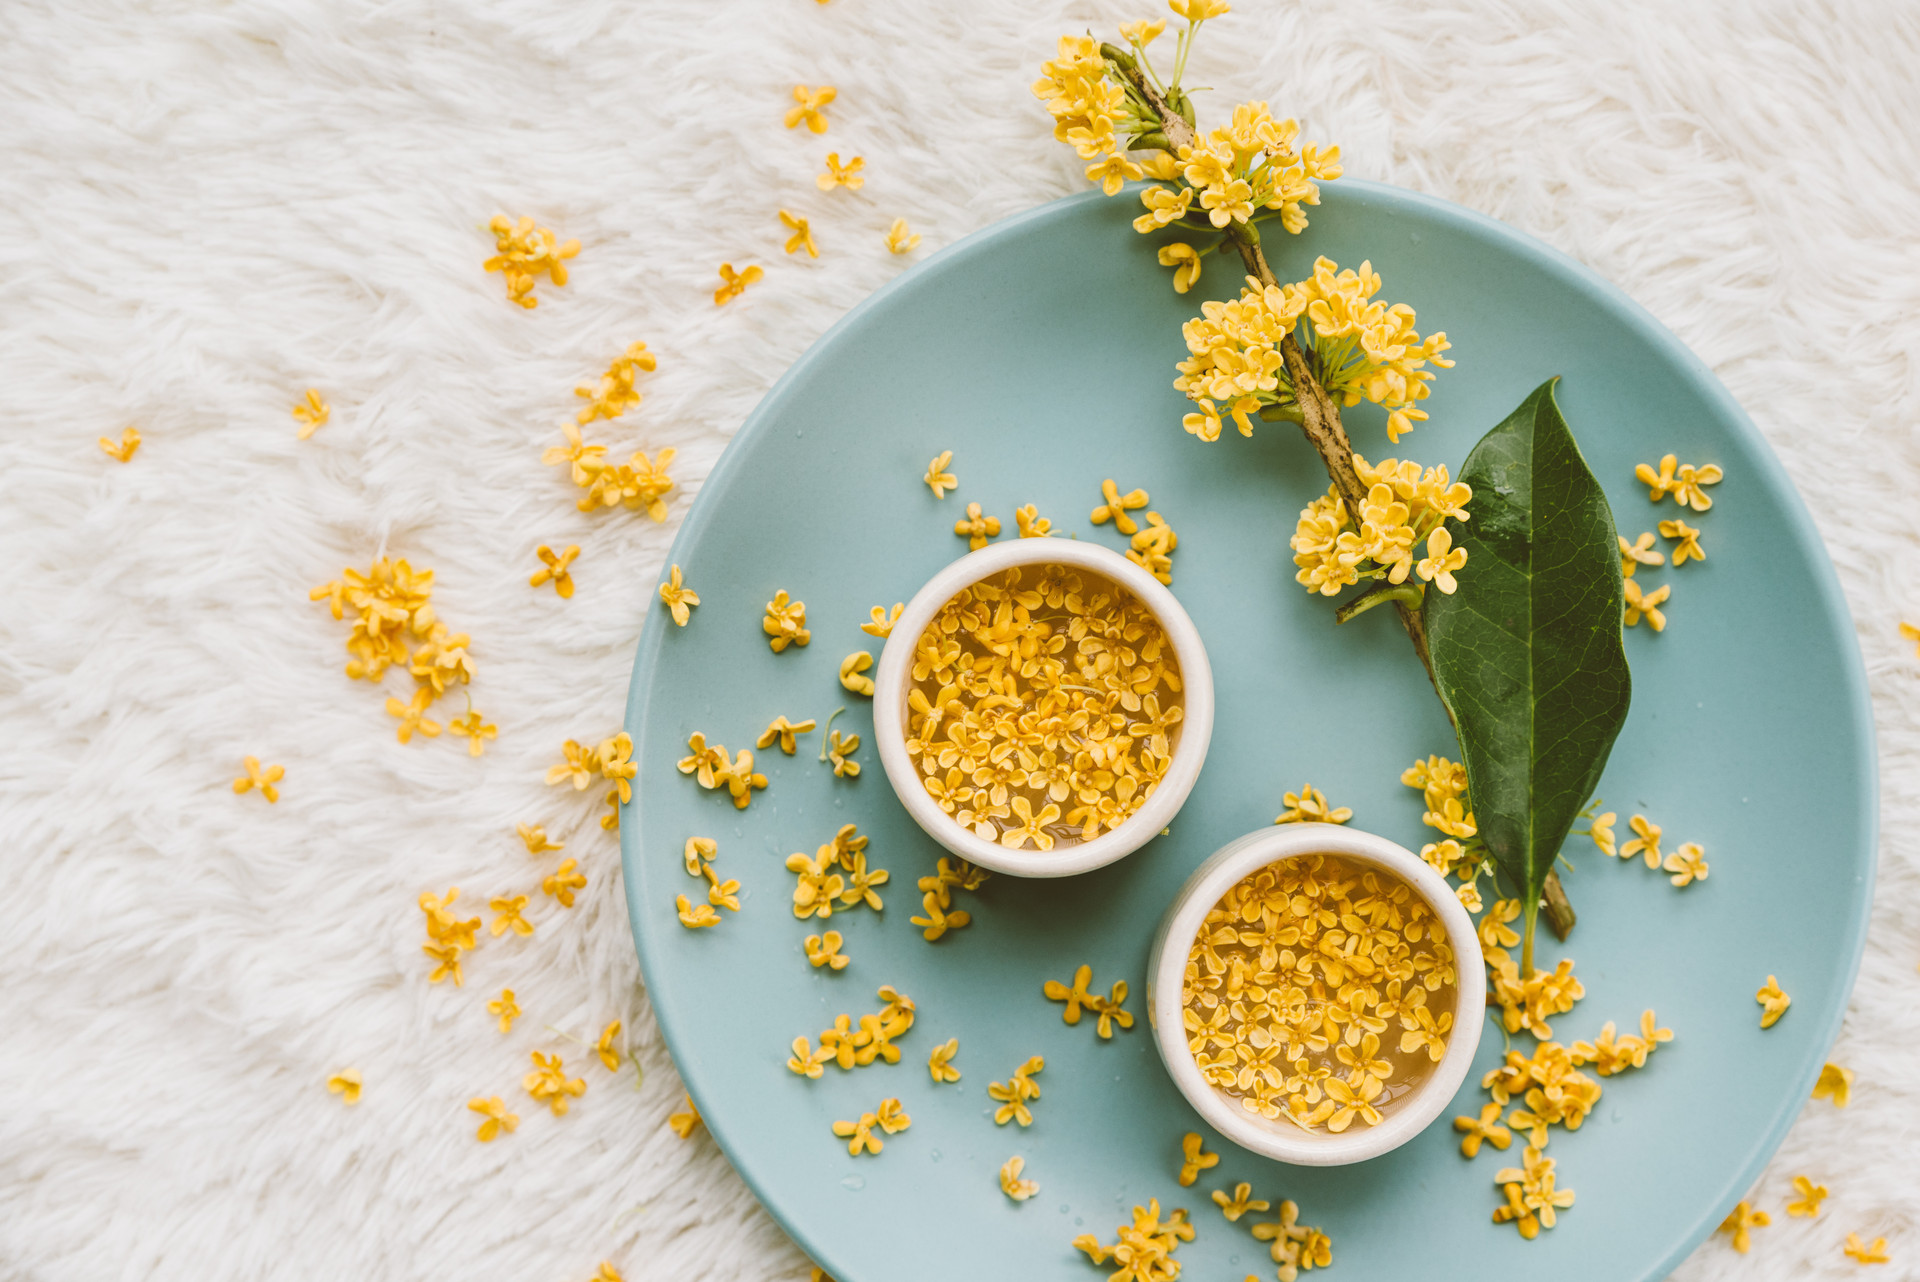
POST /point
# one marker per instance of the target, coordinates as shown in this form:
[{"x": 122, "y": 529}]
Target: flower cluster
[
  {"x": 785, "y": 623},
  {"x": 1152, "y": 548},
  {"x": 1359, "y": 348},
  {"x": 1405, "y": 505},
  {"x": 889, "y": 1117},
  {"x": 1012, "y": 1095},
  {"x": 524, "y": 253},
  {"x": 936, "y": 899},
  {"x": 1295, "y": 1246},
  {"x": 821, "y": 883},
  {"x": 1295, "y": 979},
  {"x": 849, "y": 1046},
  {"x": 712, "y": 768},
  {"x": 1532, "y": 1198},
  {"x": 611, "y": 759},
  {"x": 394, "y": 625},
  {"x": 1145, "y": 1248},
  {"x": 1256, "y": 162},
  {"x": 1086, "y": 104},
  {"x": 616, "y": 394},
  {"x": 1528, "y": 1003},
  {"x": 1035, "y": 712},
  {"x": 549, "y": 1083},
  {"x": 1078, "y": 998}
]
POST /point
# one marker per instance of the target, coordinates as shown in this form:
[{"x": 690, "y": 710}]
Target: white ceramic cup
[
  {"x": 1280, "y": 1139},
  {"x": 893, "y": 682}
]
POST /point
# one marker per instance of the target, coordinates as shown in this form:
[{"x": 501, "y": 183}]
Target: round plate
[{"x": 1041, "y": 351}]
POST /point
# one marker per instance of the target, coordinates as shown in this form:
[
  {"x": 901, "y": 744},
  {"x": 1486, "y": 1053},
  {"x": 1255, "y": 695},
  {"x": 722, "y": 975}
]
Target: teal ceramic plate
[{"x": 1041, "y": 351}]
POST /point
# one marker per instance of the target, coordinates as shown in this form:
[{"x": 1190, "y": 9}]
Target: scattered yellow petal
[
  {"x": 939, "y": 480},
  {"x": 840, "y": 750},
  {"x": 824, "y": 950},
  {"x": 850, "y": 669},
  {"x": 693, "y": 916},
  {"x": 1646, "y": 843},
  {"x": 1875, "y": 1254},
  {"x": 899, "y": 239},
  {"x": 1309, "y": 805},
  {"x": 312, "y": 413},
  {"x": 1116, "y": 507},
  {"x": 413, "y": 716},
  {"x": 525, "y": 252},
  {"x": 881, "y": 621},
  {"x": 1638, "y": 603},
  {"x": 606, "y": 1273},
  {"x": 1811, "y": 1195},
  {"x": 564, "y": 882},
  {"x": 122, "y": 452},
  {"x": 786, "y": 622},
  {"x": 614, "y": 396},
  {"x": 494, "y": 1109},
  {"x": 839, "y": 175},
  {"x": 535, "y": 838},
  {"x": 1240, "y": 1202},
  {"x": 605, "y": 1049},
  {"x": 1835, "y": 1083},
  {"x": 782, "y": 731},
  {"x": 1193, "y": 1160},
  {"x": 509, "y": 910},
  {"x": 1010, "y": 1182},
  {"x": 549, "y": 1082},
  {"x": 940, "y": 1062},
  {"x": 1911, "y": 633},
  {"x": 1638, "y": 553},
  {"x": 1485, "y": 1128},
  {"x": 263, "y": 779},
  {"x": 1152, "y": 548},
  {"x": 977, "y": 529},
  {"x": 1773, "y": 1003},
  {"x": 554, "y": 569},
  {"x": 802, "y": 237},
  {"x": 345, "y": 1084},
  {"x": 733, "y": 284},
  {"x": 1601, "y": 830},
  {"x": 505, "y": 1008},
  {"x": 1688, "y": 539},
  {"x": 809, "y": 109},
  {"x": 677, "y": 597},
  {"x": 1031, "y": 524},
  {"x": 1687, "y": 864}
]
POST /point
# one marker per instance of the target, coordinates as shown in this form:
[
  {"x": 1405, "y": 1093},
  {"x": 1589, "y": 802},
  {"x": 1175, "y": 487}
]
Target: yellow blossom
[
  {"x": 741, "y": 779},
  {"x": 1186, "y": 264},
  {"x": 1199, "y": 10},
  {"x": 1687, "y": 864},
  {"x": 549, "y": 1082},
  {"x": 510, "y": 918},
  {"x": 345, "y": 1084},
  {"x": 312, "y": 414},
  {"x": 682, "y": 1124},
  {"x": 1686, "y": 489},
  {"x": 615, "y": 394},
  {"x": 604, "y": 1048},
  {"x": 1638, "y": 553},
  {"x": 1010, "y": 1182},
  {"x": 1688, "y": 539},
  {"x": 505, "y": 1008},
  {"x": 892, "y": 1117},
  {"x": 1659, "y": 484},
  {"x": 782, "y": 731},
  {"x": 1031, "y": 524},
  {"x": 638, "y": 484},
  {"x": 881, "y": 621},
  {"x": 802, "y": 237},
  {"x": 805, "y": 1060},
  {"x": 1647, "y": 841},
  {"x": 850, "y": 669},
  {"x": 1836, "y": 1083},
  {"x": 523, "y": 253},
  {"x": 494, "y": 1109},
  {"x": 1494, "y": 931},
  {"x": 938, "y": 479},
  {"x": 1485, "y": 1128},
  {"x": 122, "y": 451},
  {"x": 1648, "y": 604},
  {"x": 1911, "y": 633},
  {"x": 554, "y": 569},
  {"x": 1469, "y": 897},
  {"x": 840, "y": 750},
  {"x": 413, "y": 715},
  {"x": 1309, "y": 805},
  {"x": 733, "y": 283},
  {"x": 899, "y": 239},
  {"x": 824, "y": 950},
  {"x": 446, "y": 959},
  {"x": 1152, "y": 548},
  {"x": 678, "y": 597},
  {"x": 1532, "y": 1199},
  {"x": 563, "y": 883},
  {"x": 1241, "y": 1201},
  {"x": 1740, "y": 1222},
  {"x": 977, "y": 529},
  {"x": 1811, "y": 1195},
  {"x": 1858, "y": 1250},
  {"x": 1601, "y": 830},
  {"x": 838, "y": 175},
  {"x": 1113, "y": 172},
  {"x": 1014, "y": 1093},
  {"x": 1441, "y": 561},
  {"x": 587, "y": 460},
  {"x": 940, "y": 1061},
  {"x": 1773, "y": 1003},
  {"x": 859, "y": 1135},
  {"x": 476, "y": 729},
  {"x": 579, "y": 768},
  {"x": 809, "y": 109},
  {"x": 1140, "y": 35},
  {"x": 1117, "y": 506},
  {"x": 786, "y": 622},
  {"x": 1164, "y": 205},
  {"x": 1193, "y": 1161},
  {"x": 263, "y": 779}
]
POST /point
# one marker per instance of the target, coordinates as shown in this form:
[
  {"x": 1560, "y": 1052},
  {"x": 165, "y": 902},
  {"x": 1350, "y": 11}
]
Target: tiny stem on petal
[{"x": 1407, "y": 594}]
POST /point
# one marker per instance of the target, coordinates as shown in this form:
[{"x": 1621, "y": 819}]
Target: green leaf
[{"x": 1527, "y": 654}]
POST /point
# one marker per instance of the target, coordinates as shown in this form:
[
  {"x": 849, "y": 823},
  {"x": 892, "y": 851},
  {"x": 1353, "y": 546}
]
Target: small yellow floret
[
  {"x": 345, "y": 1084},
  {"x": 312, "y": 414},
  {"x": 1773, "y": 1002},
  {"x": 678, "y": 598},
  {"x": 899, "y": 239},
  {"x": 838, "y": 175},
  {"x": 810, "y": 109},
  {"x": 938, "y": 479},
  {"x": 1010, "y": 1182},
  {"x": 122, "y": 451},
  {"x": 734, "y": 283}
]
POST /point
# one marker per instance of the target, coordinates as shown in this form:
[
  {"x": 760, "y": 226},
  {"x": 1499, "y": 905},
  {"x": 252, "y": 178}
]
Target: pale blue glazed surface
[{"x": 1041, "y": 352}]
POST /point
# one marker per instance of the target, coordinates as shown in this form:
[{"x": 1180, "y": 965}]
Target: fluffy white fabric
[{"x": 210, "y": 208}]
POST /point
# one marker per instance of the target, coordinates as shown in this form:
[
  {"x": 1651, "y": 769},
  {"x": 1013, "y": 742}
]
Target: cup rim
[
  {"x": 1281, "y": 1140},
  {"x": 892, "y": 678}
]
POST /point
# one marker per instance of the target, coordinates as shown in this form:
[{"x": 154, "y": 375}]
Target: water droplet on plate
[
  {"x": 854, "y": 1183},
  {"x": 935, "y": 1155}
]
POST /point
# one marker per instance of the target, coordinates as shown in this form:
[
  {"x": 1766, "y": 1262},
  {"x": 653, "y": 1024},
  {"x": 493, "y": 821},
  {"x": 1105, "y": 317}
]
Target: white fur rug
[{"x": 210, "y": 208}]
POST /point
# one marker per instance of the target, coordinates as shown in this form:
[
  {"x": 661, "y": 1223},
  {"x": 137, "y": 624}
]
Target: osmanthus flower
[
  {"x": 782, "y": 731},
  {"x": 1075, "y": 997},
  {"x": 1193, "y": 1160},
  {"x": 940, "y": 1061},
  {"x": 615, "y": 757},
  {"x": 1836, "y": 1083},
  {"x": 549, "y": 1082},
  {"x": 1031, "y": 524},
  {"x": 1441, "y": 561},
  {"x": 122, "y": 451},
  {"x": 1639, "y": 603},
  {"x": 616, "y": 393},
  {"x": 1811, "y": 1196},
  {"x": 1534, "y": 1179},
  {"x": 1911, "y": 633},
  {"x": 1295, "y": 1245},
  {"x": 900, "y": 240},
  {"x": 263, "y": 778},
  {"x": 840, "y": 750},
  {"x": 563, "y": 882},
  {"x": 1117, "y": 506},
  {"x": 977, "y": 529},
  {"x": 734, "y": 283},
  {"x": 1494, "y": 930},
  {"x": 802, "y": 237},
  {"x": 1364, "y": 348},
  {"x": 1773, "y": 1002},
  {"x": 1661, "y": 483},
  {"x": 638, "y": 484},
  {"x": 809, "y": 111},
  {"x": 606, "y": 1273},
  {"x": 824, "y": 950},
  {"x": 861, "y": 882},
  {"x": 1010, "y": 1182},
  {"x": 1469, "y": 897},
  {"x": 523, "y": 253},
  {"x": 1688, "y": 864},
  {"x": 839, "y": 175},
  {"x": 442, "y": 659},
  {"x": 859, "y": 1135},
  {"x": 605, "y": 1049},
  {"x": 1740, "y": 1223},
  {"x": 1484, "y": 1129},
  {"x": 413, "y": 716},
  {"x": 1309, "y": 805},
  {"x": 850, "y": 669},
  {"x": 939, "y": 480},
  {"x": 1646, "y": 841},
  {"x": 678, "y": 598},
  {"x": 1601, "y": 830},
  {"x": 1241, "y": 1201},
  {"x": 892, "y": 1117},
  {"x": 312, "y": 413},
  {"x": 494, "y": 1109},
  {"x": 1687, "y": 537},
  {"x": 938, "y": 920},
  {"x": 475, "y": 728},
  {"x": 706, "y": 762},
  {"x": 446, "y": 959},
  {"x": 1443, "y": 856},
  {"x": 1857, "y": 1250},
  {"x": 579, "y": 768},
  {"x": 1114, "y": 171},
  {"x": 510, "y": 910},
  {"x": 683, "y": 1124},
  {"x": 1187, "y": 266},
  {"x": 1638, "y": 553},
  {"x": 818, "y": 884},
  {"x": 346, "y": 1084},
  {"x": 553, "y": 569},
  {"x": 741, "y": 779},
  {"x": 1152, "y": 548},
  {"x": 786, "y": 622},
  {"x": 505, "y": 1009},
  {"x": 586, "y": 460},
  {"x": 1686, "y": 489},
  {"x": 805, "y": 1060}
]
